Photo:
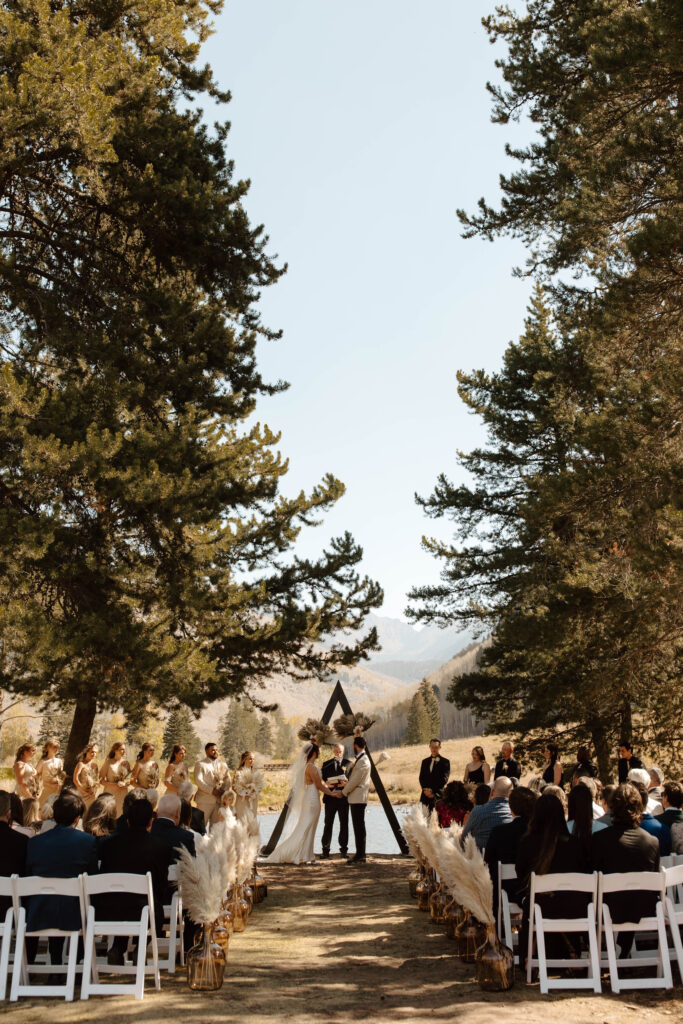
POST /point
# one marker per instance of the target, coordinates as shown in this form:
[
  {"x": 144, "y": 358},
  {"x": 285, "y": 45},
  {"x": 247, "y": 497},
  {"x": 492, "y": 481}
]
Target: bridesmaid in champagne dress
[
  {"x": 27, "y": 783},
  {"x": 114, "y": 775},
  {"x": 177, "y": 771},
  {"x": 86, "y": 774},
  {"x": 146, "y": 773},
  {"x": 50, "y": 770}
]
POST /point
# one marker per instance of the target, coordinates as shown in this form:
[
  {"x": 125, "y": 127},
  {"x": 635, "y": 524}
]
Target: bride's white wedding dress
[{"x": 298, "y": 836}]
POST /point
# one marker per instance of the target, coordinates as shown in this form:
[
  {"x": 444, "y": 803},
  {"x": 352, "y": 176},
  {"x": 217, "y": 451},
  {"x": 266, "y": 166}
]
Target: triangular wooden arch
[{"x": 339, "y": 697}]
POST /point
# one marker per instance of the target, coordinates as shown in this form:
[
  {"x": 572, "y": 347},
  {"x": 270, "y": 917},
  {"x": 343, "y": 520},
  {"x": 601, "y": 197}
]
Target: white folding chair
[
  {"x": 667, "y": 862},
  {"x": 6, "y": 929},
  {"x": 635, "y": 881},
  {"x": 46, "y": 887},
  {"x": 540, "y": 925},
  {"x": 506, "y": 908},
  {"x": 122, "y": 884},
  {"x": 174, "y": 945},
  {"x": 673, "y": 886}
]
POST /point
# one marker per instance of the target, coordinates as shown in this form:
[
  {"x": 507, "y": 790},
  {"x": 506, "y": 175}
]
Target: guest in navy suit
[{"x": 63, "y": 852}]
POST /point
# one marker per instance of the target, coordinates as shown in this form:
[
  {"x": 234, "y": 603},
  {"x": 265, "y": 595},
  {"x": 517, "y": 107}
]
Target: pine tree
[
  {"x": 146, "y": 547},
  {"x": 264, "y": 737},
  {"x": 284, "y": 739},
  {"x": 418, "y": 729},
  {"x": 432, "y": 707},
  {"x": 180, "y": 728},
  {"x": 237, "y": 731}
]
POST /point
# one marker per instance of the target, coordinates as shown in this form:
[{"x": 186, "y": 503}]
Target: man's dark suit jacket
[
  {"x": 134, "y": 852},
  {"x": 625, "y": 765},
  {"x": 514, "y": 768},
  {"x": 615, "y": 849},
  {"x": 63, "y": 852},
  {"x": 434, "y": 780},
  {"x": 198, "y": 821},
  {"x": 12, "y": 859},
  {"x": 502, "y": 845},
  {"x": 328, "y": 770},
  {"x": 172, "y": 836}
]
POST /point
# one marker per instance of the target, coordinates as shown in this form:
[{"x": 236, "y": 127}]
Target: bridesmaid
[
  {"x": 86, "y": 774},
  {"x": 27, "y": 782},
  {"x": 246, "y": 805},
  {"x": 146, "y": 773},
  {"x": 177, "y": 771},
  {"x": 50, "y": 770},
  {"x": 478, "y": 770},
  {"x": 114, "y": 774},
  {"x": 552, "y": 769}
]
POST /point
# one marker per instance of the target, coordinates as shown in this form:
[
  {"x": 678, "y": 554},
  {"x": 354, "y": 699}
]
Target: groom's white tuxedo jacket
[{"x": 357, "y": 788}]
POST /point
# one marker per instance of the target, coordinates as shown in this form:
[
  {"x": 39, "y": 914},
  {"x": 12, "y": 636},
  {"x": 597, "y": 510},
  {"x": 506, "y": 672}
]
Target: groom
[{"x": 356, "y": 791}]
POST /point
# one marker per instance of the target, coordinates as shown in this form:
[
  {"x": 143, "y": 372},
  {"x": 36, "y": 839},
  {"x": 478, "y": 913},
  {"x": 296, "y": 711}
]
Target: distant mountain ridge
[{"x": 403, "y": 642}]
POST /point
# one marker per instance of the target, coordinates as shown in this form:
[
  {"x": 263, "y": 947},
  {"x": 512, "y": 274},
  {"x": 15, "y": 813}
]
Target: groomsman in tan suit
[
  {"x": 212, "y": 778},
  {"x": 357, "y": 790}
]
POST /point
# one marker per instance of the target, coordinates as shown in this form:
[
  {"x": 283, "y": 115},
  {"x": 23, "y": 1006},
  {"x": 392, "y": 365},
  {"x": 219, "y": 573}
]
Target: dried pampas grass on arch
[
  {"x": 315, "y": 731},
  {"x": 352, "y": 725}
]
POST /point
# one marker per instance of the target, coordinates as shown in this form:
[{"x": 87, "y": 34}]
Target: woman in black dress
[
  {"x": 552, "y": 770},
  {"x": 477, "y": 770},
  {"x": 584, "y": 766}
]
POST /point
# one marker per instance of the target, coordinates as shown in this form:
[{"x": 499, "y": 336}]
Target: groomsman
[
  {"x": 212, "y": 778},
  {"x": 357, "y": 790},
  {"x": 336, "y": 766},
  {"x": 434, "y": 773}
]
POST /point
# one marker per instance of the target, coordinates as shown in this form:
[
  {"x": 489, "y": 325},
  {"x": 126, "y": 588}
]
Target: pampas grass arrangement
[
  {"x": 201, "y": 883},
  {"x": 352, "y": 725},
  {"x": 315, "y": 731}
]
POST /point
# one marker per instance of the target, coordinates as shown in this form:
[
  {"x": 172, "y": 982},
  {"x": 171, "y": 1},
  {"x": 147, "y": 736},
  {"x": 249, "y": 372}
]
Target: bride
[{"x": 303, "y": 811}]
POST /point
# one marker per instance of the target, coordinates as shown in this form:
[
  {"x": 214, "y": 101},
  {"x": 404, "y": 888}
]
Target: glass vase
[
  {"x": 205, "y": 963},
  {"x": 495, "y": 964},
  {"x": 248, "y": 895},
  {"x": 470, "y": 936},
  {"x": 240, "y": 910},
  {"x": 259, "y": 886},
  {"x": 453, "y": 916},
  {"x": 414, "y": 878},
  {"x": 425, "y": 890},
  {"x": 437, "y": 905}
]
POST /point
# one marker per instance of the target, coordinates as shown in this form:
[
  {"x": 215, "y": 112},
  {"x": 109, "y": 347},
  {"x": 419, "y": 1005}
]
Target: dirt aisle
[{"x": 339, "y": 943}]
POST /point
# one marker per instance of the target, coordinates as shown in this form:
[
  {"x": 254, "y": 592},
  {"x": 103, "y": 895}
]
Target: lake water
[{"x": 380, "y": 839}]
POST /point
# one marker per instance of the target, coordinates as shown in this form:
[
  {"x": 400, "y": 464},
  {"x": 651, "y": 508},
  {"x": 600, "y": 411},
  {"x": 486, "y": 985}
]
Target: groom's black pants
[
  {"x": 358, "y": 821},
  {"x": 333, "y": 807}
]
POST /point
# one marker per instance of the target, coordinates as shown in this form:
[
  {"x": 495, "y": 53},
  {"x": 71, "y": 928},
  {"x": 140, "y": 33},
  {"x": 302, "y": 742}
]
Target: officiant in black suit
[
  {"x": 434, "y": 773},
  {"x": 337, "y": 765}
]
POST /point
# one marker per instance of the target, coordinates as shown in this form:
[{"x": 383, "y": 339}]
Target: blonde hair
[
  {"x": 88, "y": 747},
  {"x": 52, "y": 742},
  {"x": 22, "y": 750},
  {"x": 559, "y": 793}
]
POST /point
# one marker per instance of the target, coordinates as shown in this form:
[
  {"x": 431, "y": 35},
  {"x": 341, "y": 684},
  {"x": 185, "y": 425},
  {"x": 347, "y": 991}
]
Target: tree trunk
[
  {"x": 626, "y": 722},
  {"x": 81, "y": 727},
  {"x": 601, "y": 745}
]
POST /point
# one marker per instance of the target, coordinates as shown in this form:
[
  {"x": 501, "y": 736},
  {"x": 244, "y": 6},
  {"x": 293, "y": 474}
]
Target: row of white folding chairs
[
  {"x": 597, "y": 922},
  {"x": 83, "y": 888},
  {"x": 507, "y": 909}
]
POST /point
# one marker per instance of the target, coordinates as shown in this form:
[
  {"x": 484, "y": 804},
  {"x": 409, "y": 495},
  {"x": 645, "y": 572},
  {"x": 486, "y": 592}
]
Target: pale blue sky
[{"x": 363, "y": 126}]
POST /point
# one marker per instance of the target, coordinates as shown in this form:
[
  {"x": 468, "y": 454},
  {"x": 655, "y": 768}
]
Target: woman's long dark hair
[
  {"x": 143, "y": 748},
  {"x": 554, "y": 752},
  {"x": 546, "y": 826},
  {"x": 315, "y": 749},
  {"x": 455, "y": 795},
  {"x": 581, "y": 813},
  {"x": 177, "y": 747}
]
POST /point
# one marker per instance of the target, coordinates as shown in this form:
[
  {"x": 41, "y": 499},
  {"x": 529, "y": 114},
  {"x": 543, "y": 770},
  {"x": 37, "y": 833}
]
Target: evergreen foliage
[
  {"x": 145, "y": 546},
  {"x": 180, "y": 729},
  {"x": 418, "y": 726},
  {"x": 568, "y": 539},
  {"x": 432, "y": 707}
]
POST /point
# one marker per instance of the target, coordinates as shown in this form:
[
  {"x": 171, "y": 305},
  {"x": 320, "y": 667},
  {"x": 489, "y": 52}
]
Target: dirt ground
[{"x": 337, "y": 944}]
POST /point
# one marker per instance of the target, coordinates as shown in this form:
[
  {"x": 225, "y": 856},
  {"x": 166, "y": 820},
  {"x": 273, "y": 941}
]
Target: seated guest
[
  {"x": 186, "y": 792},
  {"x": 137, "y": 793},
  {"x": 17, "y": 817},
  {"x": 63, "y": 852},
  {"x": 627, "y": 761},
  {"x": 133, "y": 851},
  {"x": 186, "y": 819},
  {"x": 559, "y": 793},
  {"x": 504, "y": 840},
  {"x": 100, "y": 818},
  {"x": 655, "y": 786},
  {"x": 484, "y": 817},
  {"x": 167, "y": 828},
  {"x": 584, "y": 765},
  {"x": 672, "y": 802},
  {"x": 548, "y": 848},
  {"x": 12, "y": 849},
  {"x": 655, "y": 828},
  {"x": 455, "y": 805},
  {"x": 592, "y": 786},
  {"x": 641, "y": 777},
  {"x": 482, "y": 795},
  {"x": 624, "y": 846},
  {"x": 606, "y": 803},
  {"x": 507, "y": 765},
  {"x": 581, "y": 822}
]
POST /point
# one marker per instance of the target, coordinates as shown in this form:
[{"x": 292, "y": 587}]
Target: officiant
[{"x": 334, "y": 773}]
